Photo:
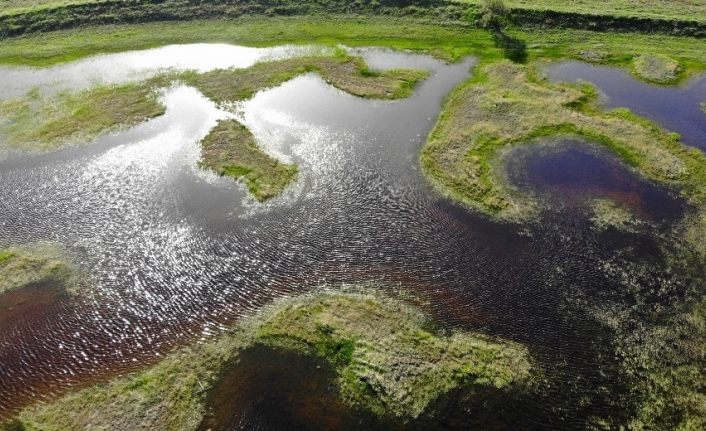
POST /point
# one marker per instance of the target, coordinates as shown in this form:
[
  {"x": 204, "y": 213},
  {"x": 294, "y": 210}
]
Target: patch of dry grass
[{"x": 23, "y": 266}]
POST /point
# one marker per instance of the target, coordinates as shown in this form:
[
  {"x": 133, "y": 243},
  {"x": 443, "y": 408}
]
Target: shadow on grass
[{"x": 513, "y": 48}]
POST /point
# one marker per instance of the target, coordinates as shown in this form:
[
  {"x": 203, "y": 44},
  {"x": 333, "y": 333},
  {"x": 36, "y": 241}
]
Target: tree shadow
[{"x": 513, "y": 48}]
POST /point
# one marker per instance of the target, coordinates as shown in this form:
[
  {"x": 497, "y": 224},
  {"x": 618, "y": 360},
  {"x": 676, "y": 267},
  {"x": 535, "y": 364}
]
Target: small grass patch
[
  {"x": 47, "y": 123},
  {"x": 230, "y": 149},
  {"x": 656, "y": 68},
  {"x": 384, "y": 358},
  {"x": 24, "y": 266}
]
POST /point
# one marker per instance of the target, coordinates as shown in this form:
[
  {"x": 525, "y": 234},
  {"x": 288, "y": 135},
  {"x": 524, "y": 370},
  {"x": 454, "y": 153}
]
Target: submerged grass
[
  {"x": 230, "y": 149},
  {"x": 386, "y": 357},
  {"x": 38, "y": 122}
]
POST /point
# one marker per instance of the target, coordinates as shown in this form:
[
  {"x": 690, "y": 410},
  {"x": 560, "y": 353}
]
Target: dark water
[
  {"x": 177, "y": 254},
  {"x": 570, "y": 173},
  {"x": 678, "y": 109}
]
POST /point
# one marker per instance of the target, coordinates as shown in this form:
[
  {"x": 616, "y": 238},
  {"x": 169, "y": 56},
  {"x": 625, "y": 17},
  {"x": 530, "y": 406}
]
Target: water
[
  {"x": 676, "y": 108},
  {"x": 570, "y": 173},
  {"x": 177, "y": 254}
]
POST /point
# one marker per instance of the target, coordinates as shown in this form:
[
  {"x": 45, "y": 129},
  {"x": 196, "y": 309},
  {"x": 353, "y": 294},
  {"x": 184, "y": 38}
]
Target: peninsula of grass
[
  {"x": 25, "y": 266},
  {"x": 509, "y": 104},
  {"x": 45, "y": 123},
  {"x": 387, "y": 357},
  {"x": 230, "y": 149}
]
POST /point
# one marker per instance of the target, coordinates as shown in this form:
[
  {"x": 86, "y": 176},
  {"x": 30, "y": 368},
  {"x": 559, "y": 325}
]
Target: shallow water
[
  {"x": 570, "y": 173},
  {"x": 177, "y": 254},
  {"x": 676, "y": 108}
]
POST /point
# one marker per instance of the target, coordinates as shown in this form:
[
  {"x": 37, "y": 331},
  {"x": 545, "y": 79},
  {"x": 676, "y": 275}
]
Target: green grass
[
  {"x": 230, "y": 149},
  {"x": 663, "y": 9},
  {"x": 24, "y": 266},
  {"x": 46, "y": 123},
  {"x": 656, "y": 68},
  {"x": 449, "y": 42},
  {"x": 8, "y": 7},
  {"x": 363, "y": 335}
]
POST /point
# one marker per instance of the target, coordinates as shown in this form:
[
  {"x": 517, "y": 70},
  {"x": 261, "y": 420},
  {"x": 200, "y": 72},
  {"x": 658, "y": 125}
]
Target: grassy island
[
  {"x": 387, "y": 357},
  {"x": 230, "y": 149}
]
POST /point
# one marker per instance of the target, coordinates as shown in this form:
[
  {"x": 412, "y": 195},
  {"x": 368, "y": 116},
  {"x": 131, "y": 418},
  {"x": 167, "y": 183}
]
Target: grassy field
[
  {"x": 363, "y": 336},
  {"x": 664, "y": 9},
  {"x": 19, "y": 6}
]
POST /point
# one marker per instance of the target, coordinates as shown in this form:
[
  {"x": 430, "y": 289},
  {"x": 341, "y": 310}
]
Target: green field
[{"x": 662, "y": 9}]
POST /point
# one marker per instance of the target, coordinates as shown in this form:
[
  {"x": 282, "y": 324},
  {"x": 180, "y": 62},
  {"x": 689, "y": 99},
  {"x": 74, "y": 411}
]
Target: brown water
[{"x": 177, "y": 254}]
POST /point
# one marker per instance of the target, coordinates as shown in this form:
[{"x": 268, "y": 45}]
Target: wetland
[{"x": 341, "y": 231}]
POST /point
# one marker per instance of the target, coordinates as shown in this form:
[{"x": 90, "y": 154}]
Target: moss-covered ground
[
  {"x": 656, "y": 68},
  {"x": 387, "y": 356}
]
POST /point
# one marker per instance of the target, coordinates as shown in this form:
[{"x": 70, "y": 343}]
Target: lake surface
[{"x": 178, "y": 254}]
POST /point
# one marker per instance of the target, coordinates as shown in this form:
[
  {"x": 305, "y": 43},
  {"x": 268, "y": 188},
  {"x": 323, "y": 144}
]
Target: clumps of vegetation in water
[
  {"x": 659, "y": 337},
  {"x": 39, "y": 122},
  {"x": 509, "y": 104},
  {"x": 230, "y": 149},
  {"x": 387, "y": 358},
  {"x": 24, "y": 266},
  {"x": 608, "y": 214},
  {"x": 659, "y": 69}
]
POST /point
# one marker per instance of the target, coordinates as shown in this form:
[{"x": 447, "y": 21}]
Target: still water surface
[{"x": 177, "y": 254}]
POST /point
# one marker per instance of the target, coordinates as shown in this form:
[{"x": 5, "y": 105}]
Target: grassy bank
[
  {"x": 660, "y": 17},
  {"x": 24, "y": 266},
  {"x": 46, "y": 123},
  {"x": 451, "y": 42},
  {"x": 386, "y": 356}
]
